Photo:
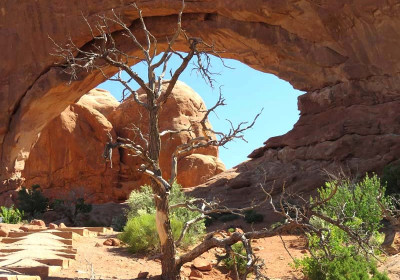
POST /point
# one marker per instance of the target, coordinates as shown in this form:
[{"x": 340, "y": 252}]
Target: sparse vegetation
[
  {"x": 11, "y": 215},
  {"x": 72, "y": 207},
  {"x": 236, "y": 259},
  {"x": 140, "y": 233},
  {"x": 32, "y": 201},
  {"x": 251, "y": 217},
  {"x": 141, "y": 226},
  {"x": 335, "y": 247},
  {"x": 391, "y": 177}
]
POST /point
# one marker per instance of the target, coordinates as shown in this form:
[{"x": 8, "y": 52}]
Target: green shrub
[
  {"x": 118, "y": 222},
  {"x": 343, "y": 267},
  {"x": 32, "y": 201},
  {"x": 141, "y": 213},
  {"x": 11, "y": 215},
  {"x": 335, "y": 254},
  {"x": 251, "y": 216},
  {"x": 391, "y": 177},
  {"x": 71, "y": 208},
  {"x": 140, "y": 233},
  {"x": 222, "y": 217},
  {"x": 239, "y": 259}
]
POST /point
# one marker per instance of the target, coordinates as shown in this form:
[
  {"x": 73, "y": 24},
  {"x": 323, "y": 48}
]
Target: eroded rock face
[
  {"x": 344, "y": 53},
  {"x": 182, "y": 110},
  {"x": 354, "y": 133},
  {"x": 68, "y": 155}
]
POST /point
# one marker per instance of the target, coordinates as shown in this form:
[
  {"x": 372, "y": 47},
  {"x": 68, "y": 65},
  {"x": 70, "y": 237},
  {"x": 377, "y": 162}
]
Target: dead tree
[{"x": 103, "y": 52}]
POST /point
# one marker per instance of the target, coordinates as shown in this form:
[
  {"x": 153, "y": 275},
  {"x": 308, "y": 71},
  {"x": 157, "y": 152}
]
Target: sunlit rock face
[
  {"x": 343, "y": 53},
  {"x": 68, "y": 155}
]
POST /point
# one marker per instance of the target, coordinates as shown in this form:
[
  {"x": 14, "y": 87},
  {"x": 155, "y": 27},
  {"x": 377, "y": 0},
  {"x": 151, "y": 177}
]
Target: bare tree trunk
[{"x": 167, "y": 244}]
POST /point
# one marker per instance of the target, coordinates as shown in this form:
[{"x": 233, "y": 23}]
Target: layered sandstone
[
  {"x": 68, "y": 155},
  {"x": 343, "y": 53}
]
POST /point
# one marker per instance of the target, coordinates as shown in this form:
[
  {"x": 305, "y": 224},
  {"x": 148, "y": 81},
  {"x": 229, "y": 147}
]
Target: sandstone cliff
[
  {"x": 68, "y": 154},
  {"x": 343, "y": 53}
]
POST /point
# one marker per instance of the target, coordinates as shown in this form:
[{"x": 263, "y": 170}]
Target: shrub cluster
[
  {"x": 238, "y": 260},
  {"x": 72, "y": 207},
  {"x": 11, "y": 215},
  {"x": 32, "y": 201},
  {"x": 140, "y": 231},
  {"x": 336, "y": 255},
  {"x": 391, "y": 177}
]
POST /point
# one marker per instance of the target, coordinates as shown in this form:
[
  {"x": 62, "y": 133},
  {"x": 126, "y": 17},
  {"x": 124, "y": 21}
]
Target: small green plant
[
  {"x": 335, "y": 254},
  {"x": 391, "y": 177},
  {"x": 237, "y": 259},
  {"x": 118, "y": 222},
  {"x": 231, "y": 230},
  {"x": 251, "y": 216},
  {"x": 140, "y": 233},
  {"x": 32, "y": 201},
  {"x": 141, "y": 220},
  {"x": 11, "y": 215}
]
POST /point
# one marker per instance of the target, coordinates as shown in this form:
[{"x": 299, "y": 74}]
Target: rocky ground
[
  {"x": 102, "y": 256},
  {"x": 110, "y": 262}
]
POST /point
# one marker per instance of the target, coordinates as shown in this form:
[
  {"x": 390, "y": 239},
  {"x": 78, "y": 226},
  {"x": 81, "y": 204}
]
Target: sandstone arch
[{"x": 343, "y": 53}]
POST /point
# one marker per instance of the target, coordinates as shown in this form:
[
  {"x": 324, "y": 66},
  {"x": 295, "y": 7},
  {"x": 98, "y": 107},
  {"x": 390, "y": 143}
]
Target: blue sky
[{"x": 246, "y": 91}]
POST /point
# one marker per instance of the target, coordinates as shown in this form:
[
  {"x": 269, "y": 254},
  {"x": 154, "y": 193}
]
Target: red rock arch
[{"x": 343, "y": 53}]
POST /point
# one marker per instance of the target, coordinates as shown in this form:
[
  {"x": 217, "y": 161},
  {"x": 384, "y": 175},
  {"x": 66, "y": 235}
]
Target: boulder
[
  {"x": 62, "y": 225},
  {"x": 4, "y": 232},
  {"x": 112, "y": 242},
  {"x": 202, "y": 264},
  {"x": 68, "y": 154},
  {"x": 195, "y": 274},
  {"x": 67, "y": 159},
  {"x": 143, "y": 275},
  {"x": 38, "y": 223},
  {"x": 182, "y": 109},
  {"x": 53, "y": 226}
]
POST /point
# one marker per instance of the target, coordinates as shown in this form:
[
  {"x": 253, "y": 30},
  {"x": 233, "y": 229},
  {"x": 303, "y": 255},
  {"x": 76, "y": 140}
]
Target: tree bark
[{"x": 170, "y": 271}]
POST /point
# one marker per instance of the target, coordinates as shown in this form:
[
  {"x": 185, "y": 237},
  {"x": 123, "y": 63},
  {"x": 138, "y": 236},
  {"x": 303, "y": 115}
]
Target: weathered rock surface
[
  {"x": 68, "y": 155},
  {"x": 182, "y": 110},
  {"x": 354, "y": 133},
  {"x": 343, "y": 53}
]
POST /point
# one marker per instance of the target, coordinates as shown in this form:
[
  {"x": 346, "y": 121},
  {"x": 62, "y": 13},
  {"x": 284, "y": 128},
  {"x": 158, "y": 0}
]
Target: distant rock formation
[{"x": 68, "y": 154}]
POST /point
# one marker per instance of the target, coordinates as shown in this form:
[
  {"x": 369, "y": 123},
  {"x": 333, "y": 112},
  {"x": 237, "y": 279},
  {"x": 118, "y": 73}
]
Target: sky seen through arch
[{"x": 246, "y": 91}]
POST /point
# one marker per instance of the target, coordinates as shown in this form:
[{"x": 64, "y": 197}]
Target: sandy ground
[{"x": 104, "y": 262}]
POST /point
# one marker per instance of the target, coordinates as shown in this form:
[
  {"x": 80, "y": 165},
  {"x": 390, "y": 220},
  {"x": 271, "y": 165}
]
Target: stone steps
[{"x": 39, "y": 253}]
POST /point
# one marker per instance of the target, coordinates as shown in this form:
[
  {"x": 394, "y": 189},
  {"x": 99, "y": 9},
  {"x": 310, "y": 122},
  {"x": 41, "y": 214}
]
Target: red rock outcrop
[
  {"x": 354, "y": 133},
  {"x": 344, "y": 53},
  {"x": 68, "y": 154},
  {"x": 181, "y": 110}
]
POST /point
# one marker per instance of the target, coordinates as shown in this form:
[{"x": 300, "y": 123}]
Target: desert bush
[
  {"x": 118, "y": 222},
  {"x": 32, "y": 201},
  {"x": 11, "y": 215},
  {"x": 391, "y": 177},
  {"x": 335, "y": 254},
  {"x": 251, "y": 216},
  {"x": 344, "y": 267},
  {"x": 72, "y": 207},
  {"x": 238, "y": 259},
  {"x": 140, "y": 233},
  {"x": 141, "y": 214},
  {"x": 221, "y": 217}
]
